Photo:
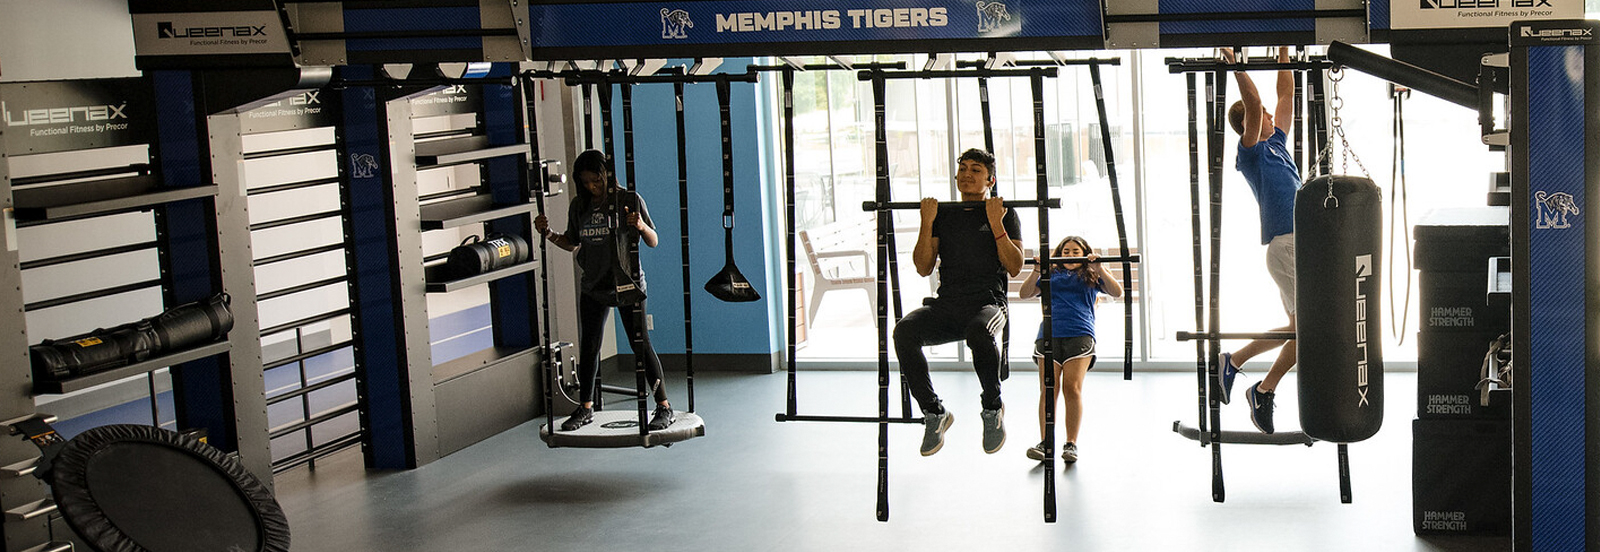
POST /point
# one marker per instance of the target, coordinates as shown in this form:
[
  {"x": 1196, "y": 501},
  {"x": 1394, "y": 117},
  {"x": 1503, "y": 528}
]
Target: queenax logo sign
[
  {"x": 1363, "y": 271},
  {"x": 1528, "y": 32},
  {"x": 58, "y": 115},
  {"x": 675, "y": 24},
  {"x": 165, "y": 29},
  {"x": 1474, "y": 4}
]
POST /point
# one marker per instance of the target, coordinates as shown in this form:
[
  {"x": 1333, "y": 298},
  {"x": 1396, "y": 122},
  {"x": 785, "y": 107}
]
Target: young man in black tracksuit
[{"x": 976, "y": 250}]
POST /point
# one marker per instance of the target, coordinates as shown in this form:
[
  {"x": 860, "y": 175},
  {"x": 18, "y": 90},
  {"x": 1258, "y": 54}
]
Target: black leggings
[
  {"x": 591, "y": 323},
  {"x": 944, "y": 322}
]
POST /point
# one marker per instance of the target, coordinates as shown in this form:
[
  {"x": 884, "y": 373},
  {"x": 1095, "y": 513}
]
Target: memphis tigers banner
[{"x": 565, "y": 26}]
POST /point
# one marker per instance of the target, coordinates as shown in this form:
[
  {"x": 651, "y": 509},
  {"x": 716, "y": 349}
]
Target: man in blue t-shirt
[{"x": 1270, "y": 170}]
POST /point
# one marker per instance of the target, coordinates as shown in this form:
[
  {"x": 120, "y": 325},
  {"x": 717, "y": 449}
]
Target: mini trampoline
[{"x": 136, "y": 488}]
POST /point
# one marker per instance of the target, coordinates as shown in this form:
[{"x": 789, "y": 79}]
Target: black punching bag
[{"x": 1338, "y": 248}]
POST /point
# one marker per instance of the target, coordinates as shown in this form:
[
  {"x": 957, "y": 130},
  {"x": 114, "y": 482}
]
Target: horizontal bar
[
  {"x": 138, "y": 168},
  {"x": 307, "y": 354},
  {"x": 274, "y": 294},
  {"x": 86, "y": 255},
  {"x": 1244, "y": 437},
  {"x": 304, "y": 321},
  {"x": 474, "y": 190},
  {"x": 1041, "y": 62},
  {"x": 619, "y": 390},
  {"x": 909, "y": 205},
  {"x": 293, "y": 186},
  {"x": 51, "y": 547},
  {"x": 1127, "y": 259},
  {"x": 341, "y": 84},
  {"x": 321, "y": 451},
  {"x": 446, "y": 286},
  {"x": 31, "y": 510},
  {"x": 618, "y": 77},
  {"x": 1234, "y": 16},
  {"x": 326, "y": 415},
  {"x": 19, "y": 469},
  {"x": 379, "y": 35},
  {"x": 1405, "y": 74},
  {"x": 1191, "y": 65},
  {"x": 309, "y": 389},
  {"x": 295, "y": 220},
  {"x": 1191, "y": 336},
  {"x": 860, "y": 419},
  {"x": 263, "y": 154},
  {"x": 957, "y": 73},
  {"x": 96, "y": 294},
  {"x": 898, "y": 65},
  {"x": 301, "y": 254}
]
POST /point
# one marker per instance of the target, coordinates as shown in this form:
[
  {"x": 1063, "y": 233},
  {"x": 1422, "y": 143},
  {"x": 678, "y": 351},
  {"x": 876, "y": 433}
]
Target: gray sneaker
[
  {"x": 994, "y": 430},
  {"x": 934, "y": 426},
  {"x": 1069, "y": 453}
]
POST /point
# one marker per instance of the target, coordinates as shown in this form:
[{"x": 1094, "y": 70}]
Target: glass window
[{"x": 929, "y": 122}]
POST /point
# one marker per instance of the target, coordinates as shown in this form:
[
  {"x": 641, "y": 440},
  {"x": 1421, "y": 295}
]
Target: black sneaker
[
  {"x": 1260, "y": 408},
  {"x": 1038, "y": 452},
  {"x": 663, "y": 418},
  {"x": 1069, "y": 453},
  {"x": 579, "y": 418}
]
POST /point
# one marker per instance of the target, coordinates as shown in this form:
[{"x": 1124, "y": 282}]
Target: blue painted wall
[{"x": 719, "y": 328}]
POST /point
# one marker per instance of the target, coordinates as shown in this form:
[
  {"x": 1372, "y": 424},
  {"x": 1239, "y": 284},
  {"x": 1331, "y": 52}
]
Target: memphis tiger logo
[
  {"x": 675, "y": 24},
  {"x": 1553, "y": 209},
  {"x": 991, "y": 16},
  {"x": 364, "y": 165}
]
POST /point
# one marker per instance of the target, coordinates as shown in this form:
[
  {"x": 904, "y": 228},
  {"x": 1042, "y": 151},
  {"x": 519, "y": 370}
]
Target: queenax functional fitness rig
[{"x": 1552, "y": 87}]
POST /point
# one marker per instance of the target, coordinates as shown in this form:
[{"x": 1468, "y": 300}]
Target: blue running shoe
[
  {"x": 1225, "y": 373},
  {"x": 1260, "y": 408}
]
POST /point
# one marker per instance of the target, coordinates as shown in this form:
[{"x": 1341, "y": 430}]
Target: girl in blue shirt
[{"x": 1071, "y": 290}]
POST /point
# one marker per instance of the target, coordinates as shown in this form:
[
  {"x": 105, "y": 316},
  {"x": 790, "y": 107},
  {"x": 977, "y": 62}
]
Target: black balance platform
[{"x": 620, "y": 429}]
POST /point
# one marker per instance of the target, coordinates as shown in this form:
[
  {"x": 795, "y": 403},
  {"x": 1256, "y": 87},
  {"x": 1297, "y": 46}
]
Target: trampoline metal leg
[{"x": 1344, "y": 474}]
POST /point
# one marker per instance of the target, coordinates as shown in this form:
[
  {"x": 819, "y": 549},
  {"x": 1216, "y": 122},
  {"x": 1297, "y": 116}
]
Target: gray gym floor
[{"x": 752, "y": 484}]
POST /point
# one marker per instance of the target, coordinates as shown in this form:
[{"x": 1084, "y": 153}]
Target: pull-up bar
[
  {"x": 957, "y": 73},
  {"x": 575, "y": 78},
  {"x": 1190, "y": 65},
  {"x": 1054, "y": 62},
  {"x": 1053, "y": 203},
  {"x": 1060, "y": 260},
  {"x": 875, "y": 66}
]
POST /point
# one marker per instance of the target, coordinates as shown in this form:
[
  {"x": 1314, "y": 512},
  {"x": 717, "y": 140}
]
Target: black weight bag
[
  {"x": 191, "y": 324},
  {"x": 96, "y": 351},
  {"x": 492, "y": 252},
  {"x": 1338, "y": 249}
]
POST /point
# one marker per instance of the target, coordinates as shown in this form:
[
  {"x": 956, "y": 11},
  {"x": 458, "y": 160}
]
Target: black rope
[
  {"x": 1116, "y": 209},
  {"x": 638, "y": 335},
  {"x": 1397, "y": 179},
  {"x": 683, "y": 225},
  {"x": 885, "y": 227}
]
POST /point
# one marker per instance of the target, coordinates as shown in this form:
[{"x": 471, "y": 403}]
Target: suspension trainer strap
[
  {"x": 638, "y": 334},
  {"x": 885, "y": 226},
  {"x": 1042, "y": 189},
  {"x": 1217, "y": 138},
  {"x": 1199, "y": 261},
  {"x": 791, "y": 406},
  {"x": 536, "y": 178},
  {"x": 988, "y": 118},
  {"x": 1116, "y": 210},
  {"x": 605, "y": 121},
  {"x": 723, "y": 108},
  {"x": 588, "y": 115},
  {"x": 683, "y": 226}
]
